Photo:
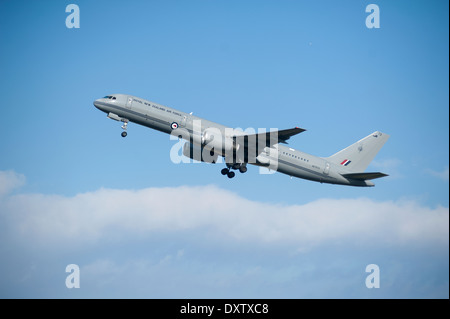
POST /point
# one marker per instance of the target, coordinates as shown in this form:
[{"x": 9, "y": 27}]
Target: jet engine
[
  {"x": 213, "y": 138},
  {"x": 199, "y": 153}
]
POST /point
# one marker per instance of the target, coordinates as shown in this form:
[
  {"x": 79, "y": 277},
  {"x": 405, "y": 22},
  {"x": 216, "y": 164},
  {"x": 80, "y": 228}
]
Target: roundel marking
[{"x": 174, "y": 125}]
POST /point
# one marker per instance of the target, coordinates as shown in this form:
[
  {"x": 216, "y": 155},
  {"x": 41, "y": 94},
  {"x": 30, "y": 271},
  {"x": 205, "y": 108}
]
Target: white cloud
[
  {"x": 444, "y": 175},
  {"x": 219, "y": 215},
  {"x": 209, "y": 242},
  {"x": 9, "y": 180}
]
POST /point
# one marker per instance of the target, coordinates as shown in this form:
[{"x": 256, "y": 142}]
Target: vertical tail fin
[{"x": 358, "y": 156}]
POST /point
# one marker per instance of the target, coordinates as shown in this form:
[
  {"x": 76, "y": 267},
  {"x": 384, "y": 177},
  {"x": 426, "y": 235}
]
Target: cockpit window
[{"x": 110, "y": 97}]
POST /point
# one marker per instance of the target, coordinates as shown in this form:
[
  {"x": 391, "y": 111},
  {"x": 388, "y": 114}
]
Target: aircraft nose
[{"x": 97, "y": 104}]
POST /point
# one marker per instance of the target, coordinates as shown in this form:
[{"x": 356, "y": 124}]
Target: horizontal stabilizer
[{"x": 364, "y": 176}]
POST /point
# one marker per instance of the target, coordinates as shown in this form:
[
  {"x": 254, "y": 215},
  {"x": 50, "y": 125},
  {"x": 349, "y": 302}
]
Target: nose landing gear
[
  {"x": 124, "y": 128},
  {"x": 116, "y": 117}
]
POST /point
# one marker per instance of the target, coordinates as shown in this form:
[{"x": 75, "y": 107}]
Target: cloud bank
[
  {"x": 198, "y": 233},
  {"x": 221, "y": 214}
]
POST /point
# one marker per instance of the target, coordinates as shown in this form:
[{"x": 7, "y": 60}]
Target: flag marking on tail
[{"x": 345, "y": 162}]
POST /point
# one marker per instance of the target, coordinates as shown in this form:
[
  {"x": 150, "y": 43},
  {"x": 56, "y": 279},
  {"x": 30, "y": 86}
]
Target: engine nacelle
[
  {"x": 199, "y": 153},
  {"x": 213, "y": 139}
]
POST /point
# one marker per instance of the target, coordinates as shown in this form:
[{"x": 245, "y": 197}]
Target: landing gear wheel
[
  {"x": 124, "y": 127},
  {"x": 243, "y": 169},
  {"x": 224, "y": 171},
  {"x": 230, "y": 174}
]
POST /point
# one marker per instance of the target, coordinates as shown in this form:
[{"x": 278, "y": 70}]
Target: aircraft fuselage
[{"x": 127, "y": 108}]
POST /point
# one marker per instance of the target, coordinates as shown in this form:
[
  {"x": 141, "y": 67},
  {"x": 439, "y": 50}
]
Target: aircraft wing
[
  {"x": 273, "y": 137},
  {"x": 284, "y": 135},
  {"x": 254, "y": 144}
]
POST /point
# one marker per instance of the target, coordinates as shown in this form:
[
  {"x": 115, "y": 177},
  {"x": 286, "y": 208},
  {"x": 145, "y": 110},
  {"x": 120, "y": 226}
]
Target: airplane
[{"x": 207, "y": 140}]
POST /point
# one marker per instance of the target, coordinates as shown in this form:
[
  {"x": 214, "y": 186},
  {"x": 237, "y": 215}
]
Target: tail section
[{"x": 358, "y": 156}]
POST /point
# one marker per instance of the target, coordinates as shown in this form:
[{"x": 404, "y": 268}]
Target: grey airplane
[{"x": 207, "y": 141}]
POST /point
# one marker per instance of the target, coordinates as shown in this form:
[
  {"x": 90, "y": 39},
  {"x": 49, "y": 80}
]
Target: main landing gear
[
  {"x": 227, "y": 172},
  {"x": 236, "y": 166}
]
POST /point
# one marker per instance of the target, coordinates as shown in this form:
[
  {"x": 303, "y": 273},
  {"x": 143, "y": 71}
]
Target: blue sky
[{"x": 260, "y": 64}]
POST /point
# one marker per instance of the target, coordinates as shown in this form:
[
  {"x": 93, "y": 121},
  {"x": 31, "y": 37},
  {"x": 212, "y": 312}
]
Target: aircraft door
[
  {"x": 326, "y": 170},
  {"x": 183, "y": 121},
  {"x": 129, "y": 101}
]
